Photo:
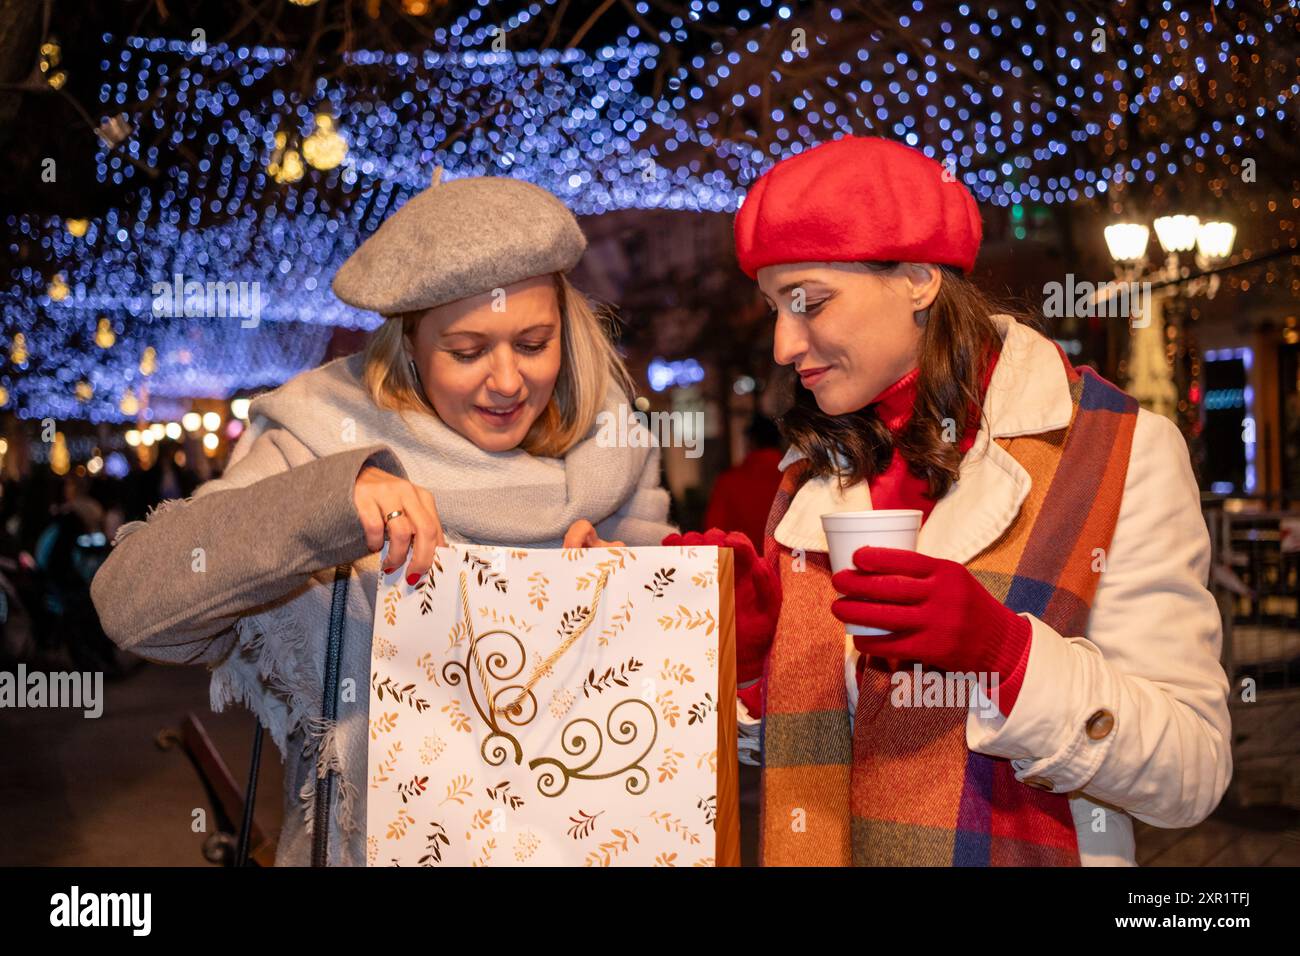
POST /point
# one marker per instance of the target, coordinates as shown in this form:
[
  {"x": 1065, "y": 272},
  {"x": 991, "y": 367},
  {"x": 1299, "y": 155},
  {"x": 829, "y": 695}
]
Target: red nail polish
[
  {"x": 388, "y": 570},
  {"x": 412, "y": 578}
]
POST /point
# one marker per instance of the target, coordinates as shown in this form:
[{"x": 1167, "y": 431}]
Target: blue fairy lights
[{"x": 577, "y": 122}]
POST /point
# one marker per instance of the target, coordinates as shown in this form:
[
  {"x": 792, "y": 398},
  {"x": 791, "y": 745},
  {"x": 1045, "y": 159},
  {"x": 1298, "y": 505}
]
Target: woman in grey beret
[{"x": 471, "y": 416}]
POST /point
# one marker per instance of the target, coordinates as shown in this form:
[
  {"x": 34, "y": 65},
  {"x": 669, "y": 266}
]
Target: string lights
[{"x": 1022, "y": 103}]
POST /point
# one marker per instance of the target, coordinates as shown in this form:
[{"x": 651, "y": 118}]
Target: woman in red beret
[{"x": 1060, "y": 567}]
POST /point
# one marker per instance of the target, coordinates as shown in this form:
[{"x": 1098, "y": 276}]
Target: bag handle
[
  {"x": 329, "y": 711},
  {"x": 544, "y": 666},
  {"x": 250, "y": 796}
]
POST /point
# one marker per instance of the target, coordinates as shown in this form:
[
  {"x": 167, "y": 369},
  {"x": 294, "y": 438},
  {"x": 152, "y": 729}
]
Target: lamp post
[{"x": 1164, "y": 362}]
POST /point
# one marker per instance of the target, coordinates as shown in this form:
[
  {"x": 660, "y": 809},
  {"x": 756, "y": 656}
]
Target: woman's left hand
[
  {"x": 938, "y": 611},
  {"x": 582, "y": 534}
]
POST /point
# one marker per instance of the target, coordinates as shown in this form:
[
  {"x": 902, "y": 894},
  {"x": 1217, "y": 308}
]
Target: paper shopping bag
[{"x": 555, "y": 708}]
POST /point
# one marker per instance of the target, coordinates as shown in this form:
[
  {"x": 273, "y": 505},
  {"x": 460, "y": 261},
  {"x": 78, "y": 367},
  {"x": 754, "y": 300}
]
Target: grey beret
[{"x": 457, "y": 239}]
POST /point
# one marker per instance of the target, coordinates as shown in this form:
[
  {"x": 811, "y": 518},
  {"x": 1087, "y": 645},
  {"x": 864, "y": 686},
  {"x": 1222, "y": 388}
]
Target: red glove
[
  {"x": 758, "y": 597},
  {"x": 939, "y": 612},
  {"x": 752, "y": 698}
]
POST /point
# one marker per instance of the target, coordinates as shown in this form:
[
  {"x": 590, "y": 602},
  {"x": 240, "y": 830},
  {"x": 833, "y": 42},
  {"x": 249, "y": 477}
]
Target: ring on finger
[{"x": 393, "y": 514}]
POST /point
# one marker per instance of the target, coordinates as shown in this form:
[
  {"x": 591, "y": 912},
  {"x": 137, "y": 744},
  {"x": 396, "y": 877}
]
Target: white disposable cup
[{"x": 846, "y": 531}]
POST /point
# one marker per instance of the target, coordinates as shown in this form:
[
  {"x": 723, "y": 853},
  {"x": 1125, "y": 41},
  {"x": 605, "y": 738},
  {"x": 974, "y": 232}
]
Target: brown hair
[
  {"x": 953, "y": 361},
  {"x": 588, "y": 366}
]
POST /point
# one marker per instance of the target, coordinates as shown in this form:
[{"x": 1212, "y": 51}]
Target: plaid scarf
[{"x": 903, "y": 789}]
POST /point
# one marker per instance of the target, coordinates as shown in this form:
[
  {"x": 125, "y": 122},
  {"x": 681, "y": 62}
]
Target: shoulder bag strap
[{"x": 330, "y": 712}]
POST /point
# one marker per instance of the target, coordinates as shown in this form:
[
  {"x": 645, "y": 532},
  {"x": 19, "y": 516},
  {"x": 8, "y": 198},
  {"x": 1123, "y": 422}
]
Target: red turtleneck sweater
[{"x": 897, "y": 487}]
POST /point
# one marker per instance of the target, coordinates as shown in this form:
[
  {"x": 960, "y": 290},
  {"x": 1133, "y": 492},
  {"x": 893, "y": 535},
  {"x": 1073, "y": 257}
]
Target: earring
[
  {"x": 921, "y": 316},
  {"x": 419, "y": 385}
]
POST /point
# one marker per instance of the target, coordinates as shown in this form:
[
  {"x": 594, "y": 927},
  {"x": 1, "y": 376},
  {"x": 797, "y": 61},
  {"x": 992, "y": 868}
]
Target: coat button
[
  {"x": 1038, "y": 783},
  {"x": 1099, "y": 724}
]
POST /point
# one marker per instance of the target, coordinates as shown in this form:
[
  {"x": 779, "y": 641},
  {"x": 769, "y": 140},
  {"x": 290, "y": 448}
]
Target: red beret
[{"x": 857, "y": 199}]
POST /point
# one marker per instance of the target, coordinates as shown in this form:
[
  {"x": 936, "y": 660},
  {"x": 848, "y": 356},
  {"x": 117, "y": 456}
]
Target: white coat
[{"x": 1149, "y": 657}]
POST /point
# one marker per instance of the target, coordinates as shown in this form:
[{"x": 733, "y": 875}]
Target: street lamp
[
  {"x": 1214, "y": 240},
  {"x": 1127, "y": 241},
  {"x": 1177, "y": 233},
  {"x": 1169, "y": 340}
]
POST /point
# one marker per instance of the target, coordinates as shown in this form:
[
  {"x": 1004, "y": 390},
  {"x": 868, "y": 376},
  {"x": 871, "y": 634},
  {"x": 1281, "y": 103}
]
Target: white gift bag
[{"x": 555, "y": 708}]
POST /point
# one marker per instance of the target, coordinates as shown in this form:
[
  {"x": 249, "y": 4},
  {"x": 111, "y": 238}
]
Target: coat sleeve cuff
[
  {"x": 1045, "y": 737},
  {"x": 258, "y": 542},
  {"x": 336, "y": 535}
]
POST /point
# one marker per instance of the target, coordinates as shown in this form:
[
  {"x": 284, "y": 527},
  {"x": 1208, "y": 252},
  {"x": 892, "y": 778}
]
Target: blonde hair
[{"x": 589, "y": 364}]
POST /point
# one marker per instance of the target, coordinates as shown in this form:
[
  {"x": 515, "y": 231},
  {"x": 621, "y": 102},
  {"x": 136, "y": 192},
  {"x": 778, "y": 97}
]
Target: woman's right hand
[
  {"x": 758, "y": 596},
  {"x": 378, "y": 493}
]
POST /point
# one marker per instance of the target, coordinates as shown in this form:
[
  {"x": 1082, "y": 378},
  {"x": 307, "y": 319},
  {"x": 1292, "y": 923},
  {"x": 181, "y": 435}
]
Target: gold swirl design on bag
[
  {"x": 495, "y": 665},
  {"x": 523, "y": 708},
  {"x": 553, "y": 781}
]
